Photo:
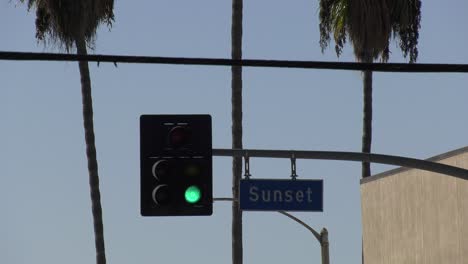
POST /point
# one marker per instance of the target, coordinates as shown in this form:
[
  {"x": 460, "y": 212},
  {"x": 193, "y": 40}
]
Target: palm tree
[
  {"x": 69, "y": 23},
  {"x": 370, "y": 24},
  {"x": 236, "y": 98}
]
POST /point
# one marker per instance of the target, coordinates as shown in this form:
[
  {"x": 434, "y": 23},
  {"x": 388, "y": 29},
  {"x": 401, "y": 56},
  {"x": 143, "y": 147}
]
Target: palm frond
[
  {"x": 65, "y": 21},
  {"x": 369, "y": 28},
  {"x": 333, "y": 19},
  {"x": 370, "y": 24},
  {"x": 406, "y": 22}
]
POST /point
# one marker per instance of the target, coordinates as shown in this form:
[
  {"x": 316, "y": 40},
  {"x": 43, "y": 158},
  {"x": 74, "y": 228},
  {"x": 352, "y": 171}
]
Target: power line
[{"x": 352, "y": 66}]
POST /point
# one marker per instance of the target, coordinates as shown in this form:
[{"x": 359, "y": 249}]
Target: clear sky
[{"x": 44, "y": 193}]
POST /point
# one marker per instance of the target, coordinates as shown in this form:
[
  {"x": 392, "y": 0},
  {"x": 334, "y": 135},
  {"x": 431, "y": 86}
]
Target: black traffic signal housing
[{"x": 176, "y": 165}]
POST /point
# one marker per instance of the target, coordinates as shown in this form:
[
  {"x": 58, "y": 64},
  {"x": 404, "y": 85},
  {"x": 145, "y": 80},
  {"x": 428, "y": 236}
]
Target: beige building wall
[{"x": 414, "y": 216}]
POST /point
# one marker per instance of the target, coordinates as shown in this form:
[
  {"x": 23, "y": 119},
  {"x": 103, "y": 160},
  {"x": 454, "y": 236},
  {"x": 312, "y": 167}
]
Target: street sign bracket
[
  {"x": 293, "y": 167},
  {"x": 247, "y": 166}
]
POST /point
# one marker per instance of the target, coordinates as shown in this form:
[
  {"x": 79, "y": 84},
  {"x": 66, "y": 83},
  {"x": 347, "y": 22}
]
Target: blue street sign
[{"x": 281, "y": 195}]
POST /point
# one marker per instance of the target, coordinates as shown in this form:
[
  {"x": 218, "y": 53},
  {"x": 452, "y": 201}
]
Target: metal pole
[
  {"x": 324, "y": 246},
  {"x": 321, "y": 237},
  {"x": 349, "y": 156}
]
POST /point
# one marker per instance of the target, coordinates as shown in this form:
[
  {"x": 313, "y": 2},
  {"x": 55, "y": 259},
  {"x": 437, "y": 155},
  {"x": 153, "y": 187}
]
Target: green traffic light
[{"x": 192, "y": 194}]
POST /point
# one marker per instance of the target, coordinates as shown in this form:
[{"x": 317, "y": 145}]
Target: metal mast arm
[{"x": 349, "y": 156}]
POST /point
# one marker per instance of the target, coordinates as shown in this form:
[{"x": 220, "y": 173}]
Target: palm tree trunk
[
  {"x": 366, "y": 129},
  {"x": 236, "y": 54},
  {"x": 367, "y": 120},
  {"x": 91, "y": 154}
]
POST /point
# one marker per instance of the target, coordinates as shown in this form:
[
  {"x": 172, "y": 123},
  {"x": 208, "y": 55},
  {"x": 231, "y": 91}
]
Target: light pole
[{"x": 322, "y": 237}]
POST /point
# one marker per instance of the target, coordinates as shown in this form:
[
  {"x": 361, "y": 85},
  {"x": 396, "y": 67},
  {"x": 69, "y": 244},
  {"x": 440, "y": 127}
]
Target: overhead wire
[{"x": 324, "y": 65}]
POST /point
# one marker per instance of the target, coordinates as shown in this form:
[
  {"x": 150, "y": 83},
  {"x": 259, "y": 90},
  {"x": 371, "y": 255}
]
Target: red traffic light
[{"x": 179, "y": 136}]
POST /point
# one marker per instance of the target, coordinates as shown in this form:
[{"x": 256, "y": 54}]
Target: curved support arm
[
  {"x": 322, "y": 237},
  {"x": 316, "y": 234}
]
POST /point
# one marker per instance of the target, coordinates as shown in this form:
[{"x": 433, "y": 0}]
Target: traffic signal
[{"x": 176, "y": 165}]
